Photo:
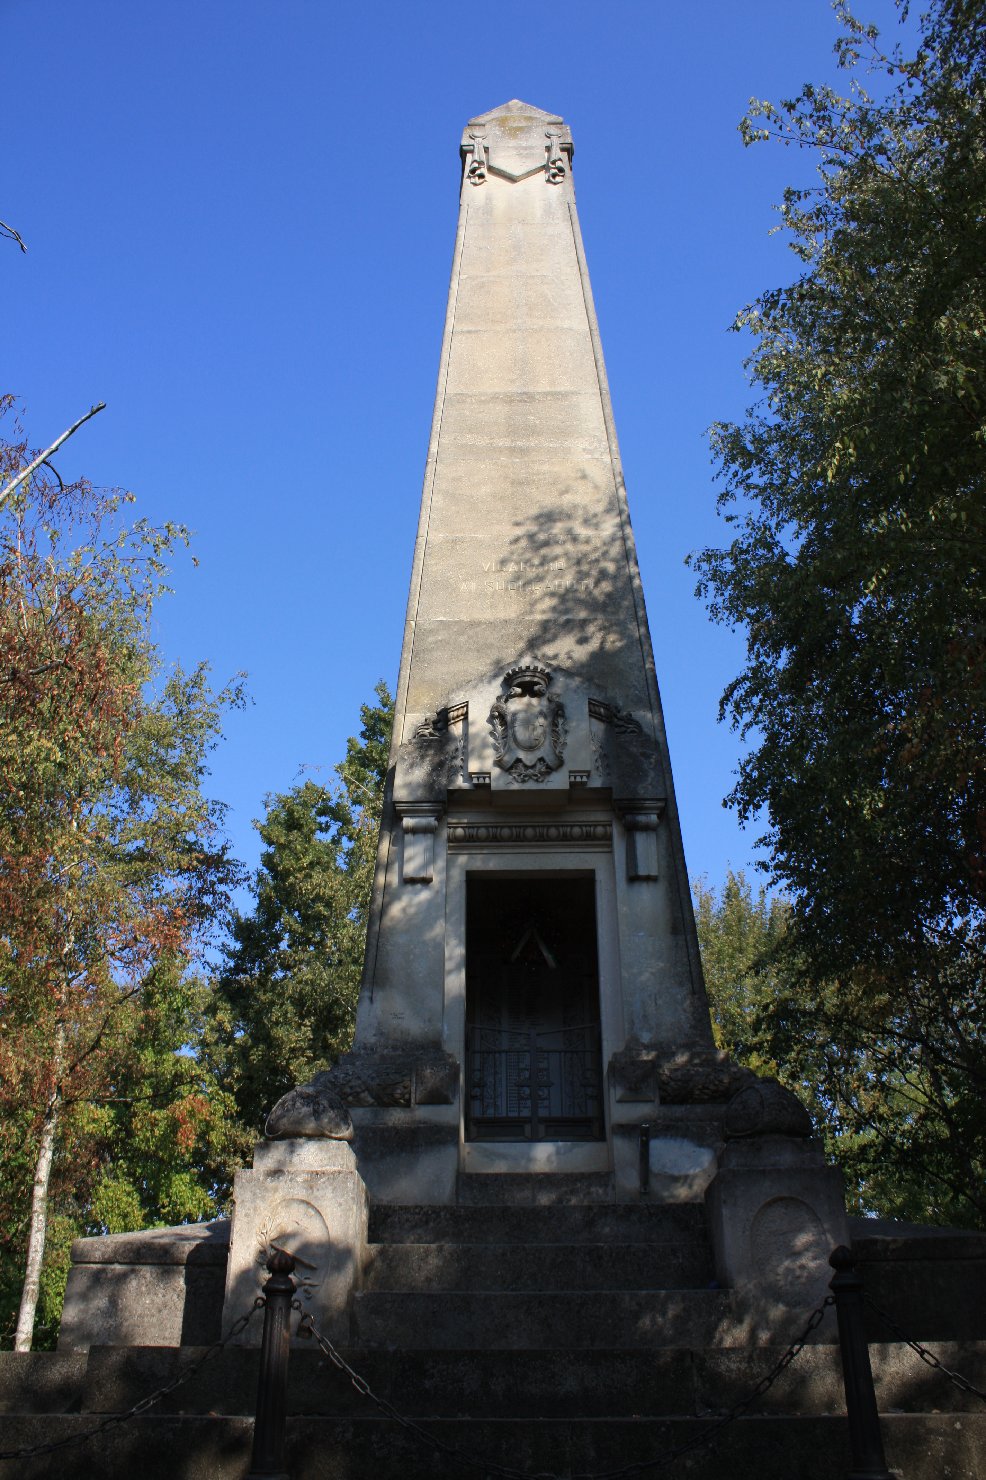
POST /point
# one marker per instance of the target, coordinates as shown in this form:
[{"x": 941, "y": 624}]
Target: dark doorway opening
[{"x": 533, "y": 1063}]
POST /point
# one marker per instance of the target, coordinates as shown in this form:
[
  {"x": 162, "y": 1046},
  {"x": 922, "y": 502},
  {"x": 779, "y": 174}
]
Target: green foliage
[
  {"x": 284, "y": 1004},
  {"x": 738, "y": 936},
  {"x": 113, "y": 873},
  {"x": 856, "y": 495},
  {"x": 891, "y": 1112}
]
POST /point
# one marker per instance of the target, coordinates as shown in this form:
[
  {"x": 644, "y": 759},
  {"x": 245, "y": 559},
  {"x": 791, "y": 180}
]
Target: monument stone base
[
  {"x": 775, "y": 1212},
  {"x": 304, "y": 1196}
]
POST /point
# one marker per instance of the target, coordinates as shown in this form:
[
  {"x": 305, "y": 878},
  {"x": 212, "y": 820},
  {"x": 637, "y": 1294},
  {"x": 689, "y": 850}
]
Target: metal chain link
[
  {"x": 308, "y": 1328},
  {"x": 929, "y": 1358},
  {"x": 239, "y": 1325}
]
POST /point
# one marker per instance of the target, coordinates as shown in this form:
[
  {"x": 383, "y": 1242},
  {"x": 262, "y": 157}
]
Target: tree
[
  {"x": 738, "y": 936},
  {"x": 847, "y": 1057},
  {"x": 113, "y": 867},
  {"x": 856, "y": 493},
  {"x": 284, "y": 1004}
]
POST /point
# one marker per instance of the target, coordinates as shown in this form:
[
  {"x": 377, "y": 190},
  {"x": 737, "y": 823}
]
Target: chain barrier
[
  {"x": 112, "y": 1419},
  {"x": 308, "y": 1328},
  {"x": 929, "y": 1358}
]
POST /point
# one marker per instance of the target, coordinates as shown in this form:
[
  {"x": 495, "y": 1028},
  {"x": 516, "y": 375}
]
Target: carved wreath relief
[
  {"x": 295, "y": 1227},
  {"x": 528, "y": 727}
]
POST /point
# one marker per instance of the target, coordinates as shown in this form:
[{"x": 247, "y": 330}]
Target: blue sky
[{"x": 240, "y": 217}]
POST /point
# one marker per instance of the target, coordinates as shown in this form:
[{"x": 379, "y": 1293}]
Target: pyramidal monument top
[{"x": 515, "y": 109}]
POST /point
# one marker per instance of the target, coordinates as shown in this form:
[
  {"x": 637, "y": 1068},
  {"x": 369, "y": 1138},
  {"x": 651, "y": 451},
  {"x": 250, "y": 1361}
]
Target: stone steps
[
  {"x": 614, "y": 1223},
  {"x": 774, "y": 1447},
  {"x": 547, "y": 1267},
  {"x": 534, "y": 1189},
  {"x": 564, "y": 1319},
  {"x": 600, "y": 1383}
]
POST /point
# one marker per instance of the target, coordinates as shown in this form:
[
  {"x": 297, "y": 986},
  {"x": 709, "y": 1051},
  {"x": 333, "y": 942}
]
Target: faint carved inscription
[{"x": 527, "y": 577}]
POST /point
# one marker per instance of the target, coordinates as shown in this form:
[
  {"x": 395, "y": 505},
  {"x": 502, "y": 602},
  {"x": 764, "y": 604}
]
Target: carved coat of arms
[{"x": 528, "y": 726}]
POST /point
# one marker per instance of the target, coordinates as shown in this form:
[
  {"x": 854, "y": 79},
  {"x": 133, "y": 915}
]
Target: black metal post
[
  {"x": 865, "y": 1438},
  {"x": 272, "y": 1388},
  {"x": 644, "y": 1160}
]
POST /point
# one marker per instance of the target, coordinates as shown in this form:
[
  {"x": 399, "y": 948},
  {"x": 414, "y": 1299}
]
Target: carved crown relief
[
  {"x": 528, "y": 726},
  {"x": 533, "y": 727}
]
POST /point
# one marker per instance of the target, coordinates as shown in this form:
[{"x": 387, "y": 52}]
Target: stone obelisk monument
[
  {"x": 532, "y": 993},
  {"x": 532, "y": 958},
  {"x": 532, "y": 1023}
]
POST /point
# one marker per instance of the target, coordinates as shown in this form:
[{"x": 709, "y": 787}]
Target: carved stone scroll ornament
[
  {"x": 406, "y": 1078},
  {"x": 419, "y": 829},
  {"x": 625, "y": 754},
  {"x": 477, "y": 168},
  {"x": 701, "y": 1076},
  {"x": 555, "y": 167},
  {"x": 755, "y": 1106},
  {"x": 527, "y": 726},
  {"x": 319, "y": 1108},
  {"x": 633, "y": 1071},
  {"x": 434, "y": 753},
  {"x": 641, "y": 831},
  {"x": 621, "y": 721},
  {"x": 766, "y": 1108}
]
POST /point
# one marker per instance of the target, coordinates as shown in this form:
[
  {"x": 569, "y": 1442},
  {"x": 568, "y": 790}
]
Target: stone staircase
[
  {"x": 506, "y": 1276},
  {"x": 565, "y": 1337}
]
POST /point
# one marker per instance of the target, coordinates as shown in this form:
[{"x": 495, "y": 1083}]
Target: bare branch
[
  {"x": 42, "y": 668},
  {"x": 13, "y": 235},
  {"x": 52, "y": 469},
  {"x": 43, "y": 457}
]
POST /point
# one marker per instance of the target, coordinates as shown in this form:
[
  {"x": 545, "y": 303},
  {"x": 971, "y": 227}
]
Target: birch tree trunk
[{"x": 38, "y": 1226}]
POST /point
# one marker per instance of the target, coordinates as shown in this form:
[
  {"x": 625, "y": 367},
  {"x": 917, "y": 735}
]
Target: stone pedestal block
[
  {"x": 306, "y": 1197},
  {"x": 158, "y": 1287},
  {"x": 776, "y": 1212}
]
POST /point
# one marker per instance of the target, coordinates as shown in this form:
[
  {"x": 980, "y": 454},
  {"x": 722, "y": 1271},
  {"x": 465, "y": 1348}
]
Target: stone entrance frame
[{"x": 519, "y": 861}]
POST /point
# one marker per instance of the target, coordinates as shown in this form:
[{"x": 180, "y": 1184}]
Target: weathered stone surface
[
  {"x": 696, "y": 1076},
  {"x": 161, "y": 1287},
  {"x": 41, "y": 1382},
  {"x": 187, "y": 1243},
  {"x": 546, "y": 1267},
  {"x": 410, "y": 1077},
  {"x": 634, "y": 1073},
  {"x": 532, "y": 1383},
  {"x": 553, "y": 1224},
  {"x": 931, "y": 1283},
  {"x": 141, "y": 1304},
  {"x": 318, "y": 1215},
  {"x": 632, "y": 1319},
  {"x": 526, "y": 611},
  {"x": 313, "y": 1109},
  {"x": 776, "y": 1212},
  {"x": 925, "y": 1447},
  {"x": 766, "y": 1108}
]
